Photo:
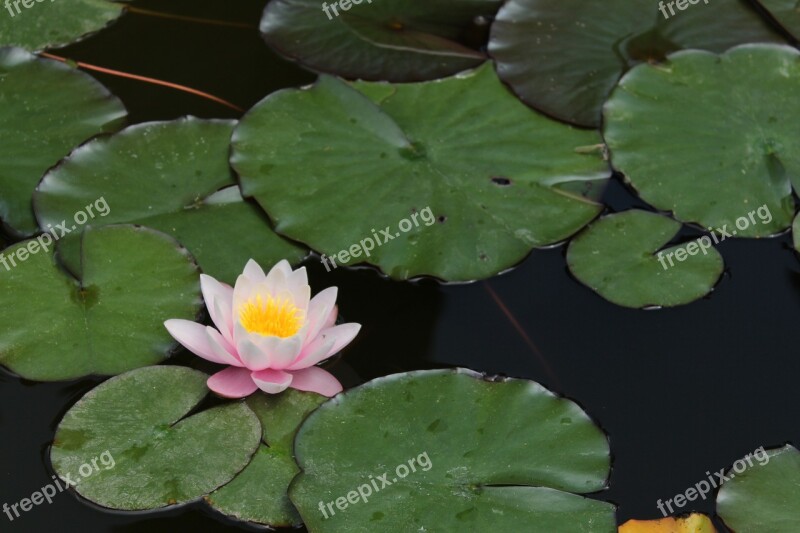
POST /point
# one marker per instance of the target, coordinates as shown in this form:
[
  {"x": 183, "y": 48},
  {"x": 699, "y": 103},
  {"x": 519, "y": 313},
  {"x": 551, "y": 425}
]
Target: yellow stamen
[{"x": 279, "y": 318}]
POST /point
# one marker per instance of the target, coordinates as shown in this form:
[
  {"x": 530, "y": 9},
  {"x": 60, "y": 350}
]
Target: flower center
[{"x": 279, "y": 318}]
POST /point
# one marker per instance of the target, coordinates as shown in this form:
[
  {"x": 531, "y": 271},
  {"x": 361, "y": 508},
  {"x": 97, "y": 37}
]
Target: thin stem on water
[
  {"x": 151, "y": 13},
  {"x": 145, "y": 79},
  {"x": 522, "y": 333}
]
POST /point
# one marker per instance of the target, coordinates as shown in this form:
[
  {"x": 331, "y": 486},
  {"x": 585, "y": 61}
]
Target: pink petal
[
  {"x": 232, "y": 383},
  {"x": 193, "y": 337},
  {"x": 319, "y": 310},
  {"x": 331, "y": 320},
  {"x": 254, "y": 271},
  {"x": 341, "y": 335},
  {"x": 315, "y": 379},
  {"x": 219, "y": 301},
  {"x": 222, "y": 348},
  {"x": 313, "y": 353},
  {"x": 272, "y": 381}
]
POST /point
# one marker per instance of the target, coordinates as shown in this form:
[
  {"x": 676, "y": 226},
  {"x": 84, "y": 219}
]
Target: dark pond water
[{"x": 679, "y": 391}]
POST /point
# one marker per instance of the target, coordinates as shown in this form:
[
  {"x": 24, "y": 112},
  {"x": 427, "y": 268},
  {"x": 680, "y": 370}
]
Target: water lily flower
[{"x": 269, "y": 331}]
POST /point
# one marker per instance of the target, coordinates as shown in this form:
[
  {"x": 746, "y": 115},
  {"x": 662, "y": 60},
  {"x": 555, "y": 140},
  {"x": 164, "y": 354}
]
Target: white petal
[
  {"x": 340, "y": 336},
  {"x": 319, "y": 311},
  {"x": 254, "y": 272},
  {"x": 219, "y": 301},
  {"x": 222, "y": 349}
]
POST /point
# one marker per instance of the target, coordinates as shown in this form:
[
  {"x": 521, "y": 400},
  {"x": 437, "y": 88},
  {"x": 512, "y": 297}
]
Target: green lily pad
[
  {"x": 563, "y": 57},
  {"x": 174, "y": 177},
  {"x": 393, "y": 40},
  {"x": 161, "y": 456},
  {"x": 109, "y": 320},
  {"x": 713, "y": 139},
  {"x": 54, "y": 23},
  {"x": 763, "y": 493},
  {"x": 796, "y": 233},
  {"x": 259, "y": 493},
  {"x": 476, "y": 186},
  {"x": 46, "y": 109},
  {"x": 786, "y": 12},
  {"x": 622, "y": 258},
  {"x": 450, "y": 451}
]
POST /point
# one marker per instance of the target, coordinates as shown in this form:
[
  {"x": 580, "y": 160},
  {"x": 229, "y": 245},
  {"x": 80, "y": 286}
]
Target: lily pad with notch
[
  {"x": 448, "y": 186},
  {"x": 106, "y": 321},
  {"x": 46, "y": 109},
  {"x": 171, "y": 176},
  {"x": 157, "y": 451},
  {"x": 622, "y": 258},
  {"x": 712, "y": 139},
  {"x": 563, "y": 57},
  {"x": 443, "y": 451},
  {"x": 258, "y": 494}
]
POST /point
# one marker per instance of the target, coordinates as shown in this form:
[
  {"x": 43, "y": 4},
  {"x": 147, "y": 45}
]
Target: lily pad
[
  {"x": 161, "y": 456},
  {"x": 450, "y": 451},
  {"x": 174, "y": 177},
  {"x": 786, "y": 12},
  {"x": 713, "y": 139},
  {"x": 563, "y": 57},
  {"x": 54, "y": 23},
  {"x": 621, "y": 257},
  {"x": 259, "y": 493},
  {"x": 796, "y": 233},
  {"x": 46, "y": 109},
  {"x": 765, "y": 495},
  {"x": 107, "y": 321},
  {"x": 392, "y": 40},
  {"x": 448, "y": 185}
]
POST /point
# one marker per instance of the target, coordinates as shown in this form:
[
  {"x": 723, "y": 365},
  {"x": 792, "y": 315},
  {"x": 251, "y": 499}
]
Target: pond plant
[{"x": 440, "y": 142}]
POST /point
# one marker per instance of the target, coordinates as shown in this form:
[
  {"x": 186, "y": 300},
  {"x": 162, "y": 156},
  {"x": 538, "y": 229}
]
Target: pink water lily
[{"x": 269, "y": 331}]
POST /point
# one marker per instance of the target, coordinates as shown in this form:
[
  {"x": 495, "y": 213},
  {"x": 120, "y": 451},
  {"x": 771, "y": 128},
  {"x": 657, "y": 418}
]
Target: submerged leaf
[
  {"x": 393, "y": 40},
  {"x": 563, "y": 57}
]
